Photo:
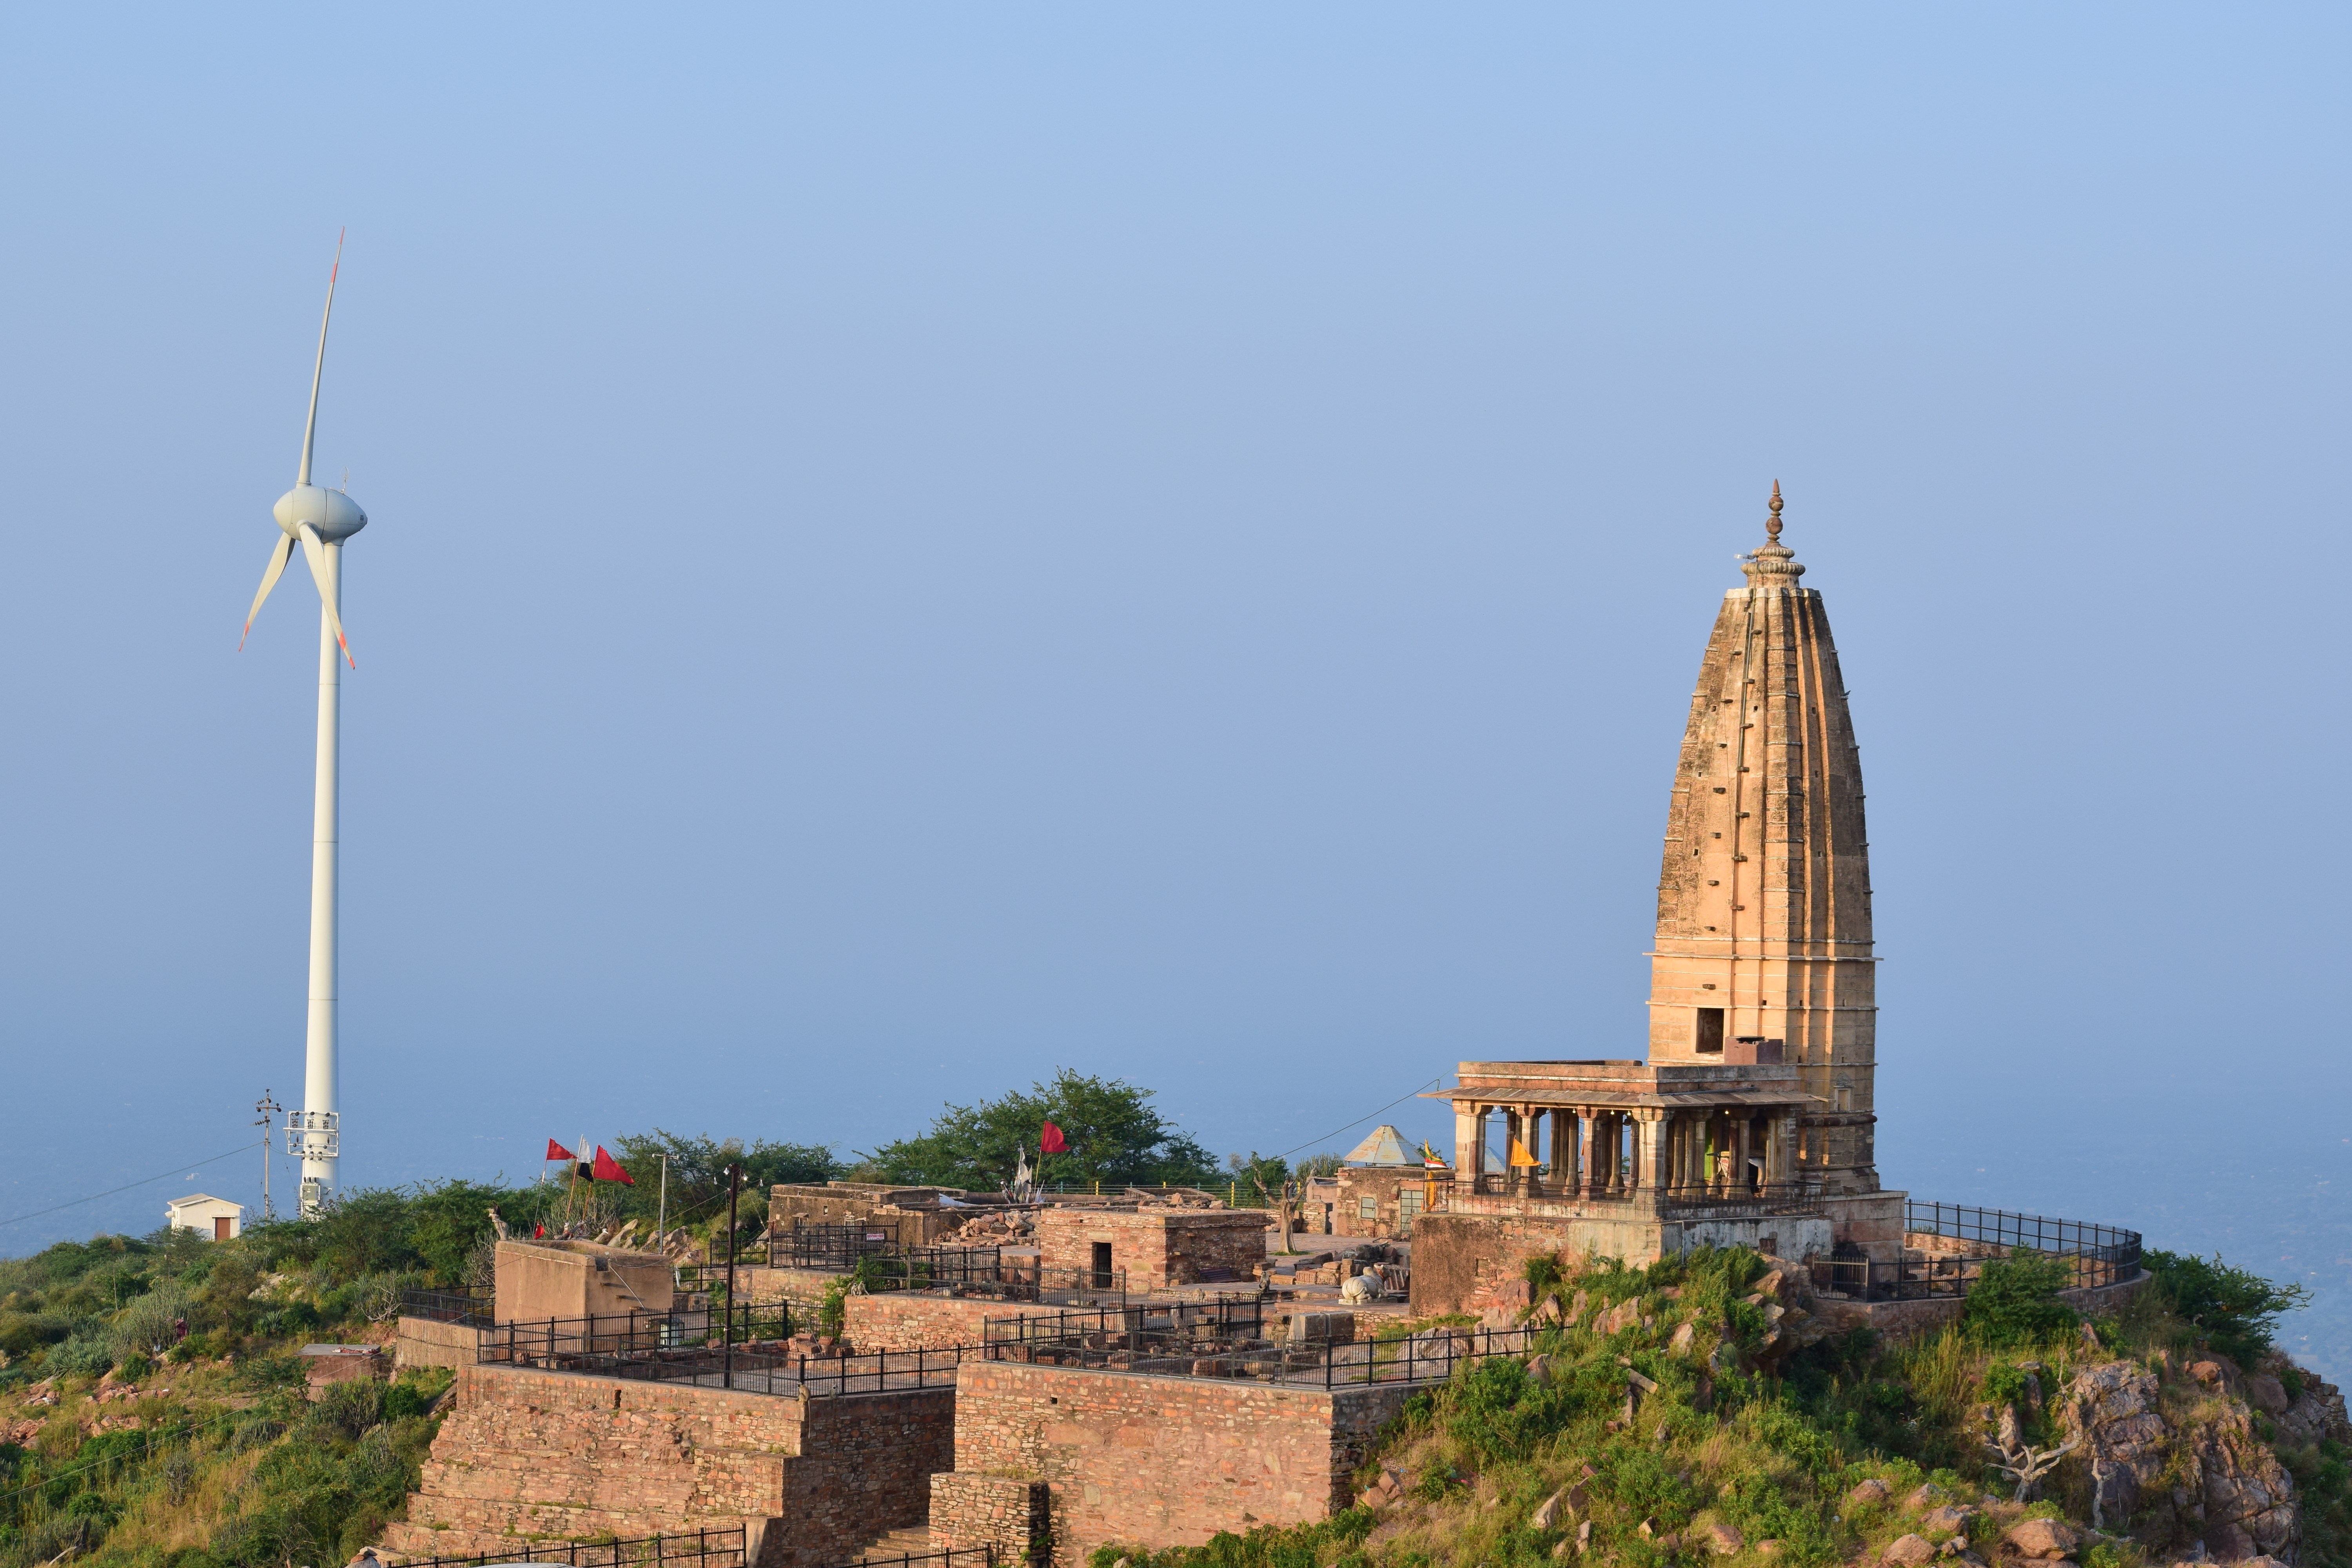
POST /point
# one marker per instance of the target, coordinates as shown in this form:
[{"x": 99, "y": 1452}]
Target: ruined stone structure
[
  {"x": 538, "y": 1280},
  {"x": 1156, "y": 1246},
  {"x": 1128, "y": 1457},
  {"x": 563, "y": 1454}
]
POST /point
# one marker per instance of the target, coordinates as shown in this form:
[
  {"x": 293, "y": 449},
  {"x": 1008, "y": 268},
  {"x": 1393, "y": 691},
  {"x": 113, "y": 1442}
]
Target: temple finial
[{"x": 1772, "y": 564}]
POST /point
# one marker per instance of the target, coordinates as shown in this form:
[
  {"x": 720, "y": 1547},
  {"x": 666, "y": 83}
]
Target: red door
[{"x": 220, "y": 1228}]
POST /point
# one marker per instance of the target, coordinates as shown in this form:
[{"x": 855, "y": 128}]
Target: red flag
[
  {"x": 556, "y": 1151},
  {"x": 1050, "y": 1141},
  {"x": 607, "y": 1169}
]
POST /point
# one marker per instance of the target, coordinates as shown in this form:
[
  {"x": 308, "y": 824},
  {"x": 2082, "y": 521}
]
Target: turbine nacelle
[{"x": 330, "y": 514}]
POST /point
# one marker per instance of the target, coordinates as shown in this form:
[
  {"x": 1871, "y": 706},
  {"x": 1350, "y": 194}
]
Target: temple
[{"x": 1750, "y": 1121}]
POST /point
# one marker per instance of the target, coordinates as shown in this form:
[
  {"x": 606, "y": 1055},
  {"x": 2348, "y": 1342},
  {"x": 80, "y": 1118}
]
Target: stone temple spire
[{"x": 1764, "y": 899}]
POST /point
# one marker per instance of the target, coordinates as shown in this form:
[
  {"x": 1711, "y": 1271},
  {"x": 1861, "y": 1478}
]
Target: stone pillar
[
  {"x": 1655, "y": 1172},
  {"x": 1469, "y": 1143},
  {"x": 1587, "y": 1151},
  {"x": 1747, "y": 1123}
]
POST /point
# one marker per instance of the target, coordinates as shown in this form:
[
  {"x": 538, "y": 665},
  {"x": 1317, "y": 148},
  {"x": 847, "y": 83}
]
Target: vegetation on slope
[{"x": 1737, "y": 1456}]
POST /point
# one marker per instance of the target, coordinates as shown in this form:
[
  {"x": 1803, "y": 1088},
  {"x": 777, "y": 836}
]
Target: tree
[
  {"x": 1115, "y": 1137},
  {"x": 698, "y": 1172},
  {"x": 2236, "y": 1310},
  {"x": 2015, "y": 1299}
]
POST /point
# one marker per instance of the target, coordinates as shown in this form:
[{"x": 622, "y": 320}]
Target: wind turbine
[{"x": 319, "y": 520}]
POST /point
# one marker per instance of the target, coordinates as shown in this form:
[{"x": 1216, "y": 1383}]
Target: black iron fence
[
  {"x": 2000, "y": 1229},
  {"x": 469, "y": 1304},
  {"x": 2095, "y": 1254},
  {"x": 834, "y": 1247},
  {"x": 966, "y": 1557},
  {"x": 691, "y": 1347},
  {"x": 687, "y": 1549},
  {"x": 559, "y": 1343},
  {"x": 1232, "y": 1338}
]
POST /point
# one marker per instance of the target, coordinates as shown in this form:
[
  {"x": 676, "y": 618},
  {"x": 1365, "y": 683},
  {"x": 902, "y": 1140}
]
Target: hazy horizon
[{"x": 910, "y": 549}]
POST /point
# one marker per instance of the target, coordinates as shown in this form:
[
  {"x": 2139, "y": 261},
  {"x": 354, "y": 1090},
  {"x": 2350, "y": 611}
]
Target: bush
[
  {"x": 2015, "y": 1300},
  {"x": 22, "y": 1334},
  {"x": 351, "y": 1406},
  {"x": 2235, "y": 1309},
  {"x": 88, "y": 1353}
]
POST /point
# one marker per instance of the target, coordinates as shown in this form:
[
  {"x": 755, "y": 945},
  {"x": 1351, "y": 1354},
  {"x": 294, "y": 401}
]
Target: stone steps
[{"x": 913, "y": 1540}]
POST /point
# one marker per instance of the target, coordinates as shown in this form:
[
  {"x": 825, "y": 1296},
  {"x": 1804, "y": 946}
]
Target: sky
[{"x": 911, "y": 547}]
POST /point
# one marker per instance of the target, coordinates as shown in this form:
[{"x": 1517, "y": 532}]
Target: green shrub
[
  {"x": 22, "y": 1334},
  {"x": 2015, "y": 1299},
  {"x": 833, "y": 1308},
  {"x": 87, "y": 1353},
  {"x": 2236, "y": 1310}
]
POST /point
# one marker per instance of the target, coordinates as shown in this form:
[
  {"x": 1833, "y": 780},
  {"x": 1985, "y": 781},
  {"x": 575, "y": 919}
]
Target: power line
[
  {"x": 127, "y": 1186},
  {"x": 1359, "y": 1120}
]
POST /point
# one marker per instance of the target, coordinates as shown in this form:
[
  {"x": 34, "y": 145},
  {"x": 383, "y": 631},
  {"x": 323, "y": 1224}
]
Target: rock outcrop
[{"x": 2181, "y": 1464}]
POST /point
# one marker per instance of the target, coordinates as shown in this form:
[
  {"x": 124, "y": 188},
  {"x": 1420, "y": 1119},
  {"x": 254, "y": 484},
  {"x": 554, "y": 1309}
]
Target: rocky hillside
[{"x": 1699, "y": 1410}]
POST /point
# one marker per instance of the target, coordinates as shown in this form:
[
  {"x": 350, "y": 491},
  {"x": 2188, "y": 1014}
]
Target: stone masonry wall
[
  {"x": 1167, "y": 1461},
  {"x": 535, "y": 1454},
  {"x": 916, "y": 1320},
  {"x": 970, "y": 1511},
  {"x": 423, "y": 1341}
]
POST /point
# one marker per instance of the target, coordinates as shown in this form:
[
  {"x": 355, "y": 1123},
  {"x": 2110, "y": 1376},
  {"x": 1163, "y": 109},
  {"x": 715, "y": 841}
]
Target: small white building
[{"x": 206, "y": 1215}]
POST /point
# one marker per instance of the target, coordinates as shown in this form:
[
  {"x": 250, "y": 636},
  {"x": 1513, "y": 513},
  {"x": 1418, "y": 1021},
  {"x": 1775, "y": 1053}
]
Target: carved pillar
[{"x": 1587, "y": 1151}]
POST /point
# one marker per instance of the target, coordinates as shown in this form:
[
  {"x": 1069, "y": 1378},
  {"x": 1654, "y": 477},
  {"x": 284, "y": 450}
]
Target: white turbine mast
[{"x": 319, "y": 520}]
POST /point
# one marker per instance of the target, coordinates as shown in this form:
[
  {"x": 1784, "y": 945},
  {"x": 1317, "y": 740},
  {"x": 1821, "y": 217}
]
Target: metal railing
[
  {"x": 962, "y": 1557},
  {"x": 1756, "y": 1201},
  {"x": 1720, "y": 1199},
  {"x": 701, "y": 1549},
  {"x": 2036, "y": 1233},
  {"x": 1225, "y": 1340},
  {"x": 556, "y": 1343},
  {"x": 836, "y": 1247},
  {"x": 654, "y": 1347},
  {"x": 2096, "y": 1255},
  {"x": 469, "y": 1304}
]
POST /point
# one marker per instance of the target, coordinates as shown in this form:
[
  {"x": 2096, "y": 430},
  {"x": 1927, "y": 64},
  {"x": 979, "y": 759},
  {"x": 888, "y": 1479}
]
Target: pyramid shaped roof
[{"x": 1384, "y": 1147}]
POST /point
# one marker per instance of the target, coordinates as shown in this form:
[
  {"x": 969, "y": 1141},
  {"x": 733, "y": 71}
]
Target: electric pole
[{"x": 266, "y": 1113}]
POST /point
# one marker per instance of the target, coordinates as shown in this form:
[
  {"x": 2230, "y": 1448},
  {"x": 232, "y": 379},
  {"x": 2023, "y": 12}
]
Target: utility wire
[
  {"x": 126, "y": 1187},
  {"x": 1359, "y": 1120}
]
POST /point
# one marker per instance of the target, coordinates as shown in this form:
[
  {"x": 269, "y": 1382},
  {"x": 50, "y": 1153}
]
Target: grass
[{"x": 1775, "y": 1458}]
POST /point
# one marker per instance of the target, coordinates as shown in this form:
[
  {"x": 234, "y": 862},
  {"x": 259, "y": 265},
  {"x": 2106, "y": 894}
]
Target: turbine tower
[{"x": 319, "y": 520}]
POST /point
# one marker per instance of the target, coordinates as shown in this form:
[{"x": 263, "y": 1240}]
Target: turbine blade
[
  {"x": 269, "y": 575},
  {"x": 316, "y": 553},
  {"x": 310, "y": 428}
]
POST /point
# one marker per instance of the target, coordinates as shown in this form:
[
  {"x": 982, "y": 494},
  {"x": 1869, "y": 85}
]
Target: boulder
[
  {"x": 2045, "y": 1537},
  {"x": 1870, "y": 1492},
  {"x": 2228, "y": 1542},
  {"x": 1930, "y": 1496},
  {"x": 1721, "y": 1539},
  {"x": 1948, "y": 1517},
  {"x": 1547, "y": 1513},
  {"x": 1683, "y": 1337},
  {"x": 1910, "y": 1551},
  {"x": 2266, "y": 1394}
]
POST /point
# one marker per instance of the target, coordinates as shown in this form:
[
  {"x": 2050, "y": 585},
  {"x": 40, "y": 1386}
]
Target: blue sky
[{"x": 914, "y": 546}]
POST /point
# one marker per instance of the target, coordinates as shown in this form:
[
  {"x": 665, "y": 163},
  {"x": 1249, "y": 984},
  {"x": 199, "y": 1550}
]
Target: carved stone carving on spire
[{"x": 1772, "y": 564}]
